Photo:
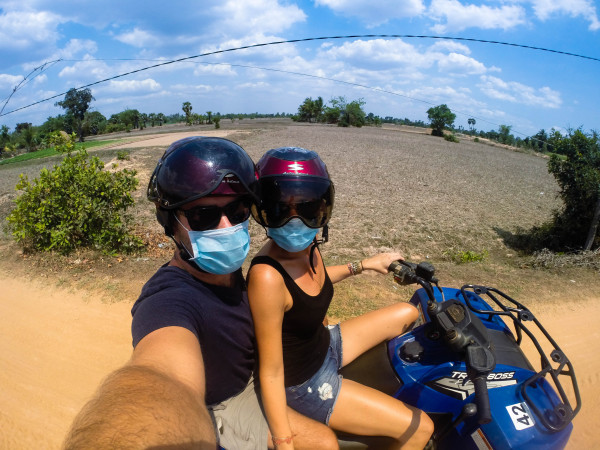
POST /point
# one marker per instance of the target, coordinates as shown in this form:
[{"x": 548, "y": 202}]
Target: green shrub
[
  {"x": 451, "y": 137},
  {"x": 123, "y": 155},
  {"x": 76, "y": 204}
]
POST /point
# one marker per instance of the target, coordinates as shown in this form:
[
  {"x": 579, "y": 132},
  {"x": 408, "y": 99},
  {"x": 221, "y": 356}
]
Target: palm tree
[
  {"x": 187, "y": 109},
  {"x": 471, "y": 123}
]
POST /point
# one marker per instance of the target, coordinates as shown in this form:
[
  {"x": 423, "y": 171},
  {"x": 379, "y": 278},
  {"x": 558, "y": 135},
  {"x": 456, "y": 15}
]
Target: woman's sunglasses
[{"x": 310, "y": 199}]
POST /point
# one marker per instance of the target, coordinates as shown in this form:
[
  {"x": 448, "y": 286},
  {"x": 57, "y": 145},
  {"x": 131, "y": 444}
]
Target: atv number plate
[{"x": 520, "y": 415}]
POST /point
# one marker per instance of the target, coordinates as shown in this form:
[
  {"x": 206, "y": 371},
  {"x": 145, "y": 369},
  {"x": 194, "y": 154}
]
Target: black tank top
[{"x": 304, "y": 337}]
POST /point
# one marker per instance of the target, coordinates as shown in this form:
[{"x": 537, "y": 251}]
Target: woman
[{"x": 290, "y": 289}]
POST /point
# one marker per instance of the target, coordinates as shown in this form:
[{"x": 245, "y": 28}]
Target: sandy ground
[
  {"x": 56, "y": 347},
  {"x": 166, "y": 139}
]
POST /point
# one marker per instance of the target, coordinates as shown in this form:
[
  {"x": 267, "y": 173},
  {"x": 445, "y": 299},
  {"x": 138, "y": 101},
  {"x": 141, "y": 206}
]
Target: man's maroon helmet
[
  {"x": 194, "y": 167},
  {"x": 293, "y": 182}
]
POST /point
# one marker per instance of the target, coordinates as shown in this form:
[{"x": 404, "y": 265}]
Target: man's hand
[{"x": 150, "y": 402}]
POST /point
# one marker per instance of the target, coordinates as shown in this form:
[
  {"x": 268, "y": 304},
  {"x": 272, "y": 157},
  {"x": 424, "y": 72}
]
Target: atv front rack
[{"x": 563, "y": 413}]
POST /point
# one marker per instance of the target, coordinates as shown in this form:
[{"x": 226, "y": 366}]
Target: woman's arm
[
  {"x": 267, "y": 297},
  {"x": 378, "y": 263}
]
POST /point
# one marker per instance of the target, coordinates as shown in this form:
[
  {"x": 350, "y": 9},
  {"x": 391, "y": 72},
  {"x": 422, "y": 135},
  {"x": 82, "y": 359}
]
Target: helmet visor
[{"x": 281, "y": 199}]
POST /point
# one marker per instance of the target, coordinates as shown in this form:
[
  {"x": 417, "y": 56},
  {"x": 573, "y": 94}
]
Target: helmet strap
[
  {"x": 186, "y": 256},
  {"x": 315, "y": 245}
]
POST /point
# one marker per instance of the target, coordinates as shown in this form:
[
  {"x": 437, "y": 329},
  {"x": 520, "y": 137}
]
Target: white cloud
[
  {"x": 190, "y": 89},
  {"x": 546, "y": 9},
  {"x": 139, "y": 38},
  {"x": 130, "y": 86},
  {"x": 23, "y": 30},
  {"x": 379, "y": 53},
  {"x": 88, "y": 69},
  {"x": 76, "y": 47},
  {"x": 451, "y": 46},
  {"x": 9, "y": 81},
  {"x": 375, "y": 13},
  {"x": 382, "y": 60},
  {"x": 217, "y": 69},
  {"x": 519, "y": 93},
  {"x": 454, "y": 16},
  {"x": 457, "y": 63},
  {"x": 250, "y": 16},
  {"x": 41, "y": 79}
]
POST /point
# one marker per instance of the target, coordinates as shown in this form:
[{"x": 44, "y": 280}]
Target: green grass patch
[{"x": 46, "y": 152}]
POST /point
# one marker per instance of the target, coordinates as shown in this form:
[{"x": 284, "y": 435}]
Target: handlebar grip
[
  {"x": 393, "y": 266},
  {"x": 482, "y": 400}
]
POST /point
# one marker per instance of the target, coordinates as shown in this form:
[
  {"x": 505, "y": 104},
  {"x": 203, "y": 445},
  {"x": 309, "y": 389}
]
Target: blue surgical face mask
[
  {"x": 221, "y": 250},
  {"x": 294, "y": 236}
]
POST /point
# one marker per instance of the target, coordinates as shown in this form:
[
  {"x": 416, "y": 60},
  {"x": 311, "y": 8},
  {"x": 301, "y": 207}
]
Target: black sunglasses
[{"x": 202, "y": 218}]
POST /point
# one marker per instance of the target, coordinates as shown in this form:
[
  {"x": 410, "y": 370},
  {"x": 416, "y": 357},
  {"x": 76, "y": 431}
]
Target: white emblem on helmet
[{"x": 295, "y": 166}]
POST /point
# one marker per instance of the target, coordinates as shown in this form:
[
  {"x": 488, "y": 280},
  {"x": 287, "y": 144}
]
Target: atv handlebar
[{"x": 463, "y": 331}]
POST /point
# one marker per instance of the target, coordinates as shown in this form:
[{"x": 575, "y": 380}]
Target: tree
[
  {"x": 504, "y": 136},
  {"x": 77, "y": 102},
  {"x": 578, "y": 176},
  {"x": 353, "y": 114},
  {"x": 94, "y": 123},
  {"x": 143, "y": 120},
  {"x": 4, "y": 135},
  {"x": 311, "y": 110},
  {"x": 539, "y": 139},
  {"x": 471, "y": 123},
  {"x": 441, "y": 117},
  {"x": 187, "y": 109},
  {"x": 4, "y": 138},
  {"x": 62, "y": 122},
  {"x": 129, "y": 118}
]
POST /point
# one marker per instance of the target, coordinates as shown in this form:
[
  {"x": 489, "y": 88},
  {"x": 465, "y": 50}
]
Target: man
[{"x": 192, "y": 329}]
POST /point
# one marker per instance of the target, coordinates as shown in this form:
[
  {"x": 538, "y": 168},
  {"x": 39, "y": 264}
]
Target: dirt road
[{"x": 56, "y": 347}]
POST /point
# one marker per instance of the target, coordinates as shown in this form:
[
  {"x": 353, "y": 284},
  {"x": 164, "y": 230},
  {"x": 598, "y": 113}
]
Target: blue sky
[{"x": 400, "y": 77}]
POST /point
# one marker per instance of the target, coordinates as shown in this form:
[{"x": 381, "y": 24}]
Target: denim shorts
[{"x": 316, "y": 397}]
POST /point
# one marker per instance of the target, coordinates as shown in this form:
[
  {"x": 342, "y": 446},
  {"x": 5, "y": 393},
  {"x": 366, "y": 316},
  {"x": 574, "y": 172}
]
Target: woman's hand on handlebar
[{"x": 381, "y": 262}]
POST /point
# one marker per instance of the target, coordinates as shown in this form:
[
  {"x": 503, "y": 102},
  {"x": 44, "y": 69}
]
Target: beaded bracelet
[
  {"x": 355, "y": 267},
  {"x": 285, "y": 440}
]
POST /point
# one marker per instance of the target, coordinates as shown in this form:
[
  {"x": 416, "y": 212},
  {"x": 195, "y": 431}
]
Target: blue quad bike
[{"x": 463, "y": 365}]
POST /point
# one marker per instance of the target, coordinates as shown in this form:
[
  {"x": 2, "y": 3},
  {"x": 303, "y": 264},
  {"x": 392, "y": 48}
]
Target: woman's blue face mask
[{"x": 294, "y": 236}]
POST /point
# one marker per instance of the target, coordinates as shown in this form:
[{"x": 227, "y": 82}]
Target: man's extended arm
[{"x": 156, "y": 400}]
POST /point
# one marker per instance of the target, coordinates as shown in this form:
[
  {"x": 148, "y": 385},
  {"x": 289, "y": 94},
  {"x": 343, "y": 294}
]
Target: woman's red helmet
[{"x": 293, "y": 182}]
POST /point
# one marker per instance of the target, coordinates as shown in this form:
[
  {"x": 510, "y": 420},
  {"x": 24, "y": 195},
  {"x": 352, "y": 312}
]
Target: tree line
[{"x": 78, "y": 118}]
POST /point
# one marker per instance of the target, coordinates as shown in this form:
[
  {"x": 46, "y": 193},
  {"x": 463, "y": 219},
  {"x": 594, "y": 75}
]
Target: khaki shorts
[{"x": 240, "y": 422}]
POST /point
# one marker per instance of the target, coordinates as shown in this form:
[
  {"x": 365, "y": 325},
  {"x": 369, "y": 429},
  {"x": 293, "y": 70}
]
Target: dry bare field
[
  {"x": 64, "y": 321},
  {"x": 396, "y": 188}
]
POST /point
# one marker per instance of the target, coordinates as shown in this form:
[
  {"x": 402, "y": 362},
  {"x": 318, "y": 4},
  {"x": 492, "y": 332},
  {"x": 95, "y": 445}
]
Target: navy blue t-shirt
[{"x": 219, "y": 317}]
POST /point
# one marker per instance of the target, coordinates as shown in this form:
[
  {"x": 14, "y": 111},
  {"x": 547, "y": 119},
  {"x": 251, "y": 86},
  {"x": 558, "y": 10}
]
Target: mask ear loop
[
  {"x": 185, "y": 254},
  {"x": 315, "y": 245}
]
